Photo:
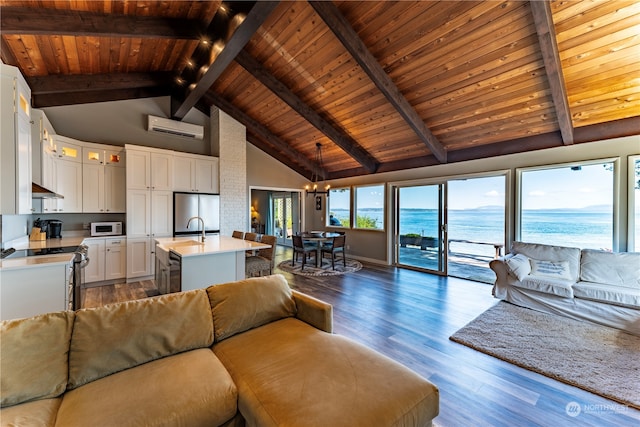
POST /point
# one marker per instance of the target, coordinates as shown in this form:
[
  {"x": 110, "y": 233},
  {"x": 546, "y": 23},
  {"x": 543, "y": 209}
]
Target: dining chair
[
  {"x": 264, "y": 261},
  {"x": 238, "y": 234},
  {"x": 254, "y": 238},
  {"x": 299, "y": 247},
  {"x": 329, "y": 244},
  {"x": 336, "y": 247},
  {"x": 251, "y": 236}
]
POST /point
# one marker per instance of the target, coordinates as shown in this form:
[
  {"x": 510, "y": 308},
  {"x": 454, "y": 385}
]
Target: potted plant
[
  {"x": 410, "y": 239},
  {"x": 428, "y": 242}
]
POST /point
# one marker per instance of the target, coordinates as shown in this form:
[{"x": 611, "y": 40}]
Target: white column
[{"x": 231, "y": 139}]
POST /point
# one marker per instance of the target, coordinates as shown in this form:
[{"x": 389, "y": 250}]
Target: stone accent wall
[{"x": 231, "y": 139}]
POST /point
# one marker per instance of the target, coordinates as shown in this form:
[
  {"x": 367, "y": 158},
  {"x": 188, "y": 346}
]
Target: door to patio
[
  {"x": 420, "y": 227},
  {"x": 286, "y": 216},
  {"x": 451, "y": 228}
]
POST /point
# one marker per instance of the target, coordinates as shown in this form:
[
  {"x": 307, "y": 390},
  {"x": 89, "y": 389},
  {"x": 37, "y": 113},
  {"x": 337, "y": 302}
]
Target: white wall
[{"x": 125, "y": 122}]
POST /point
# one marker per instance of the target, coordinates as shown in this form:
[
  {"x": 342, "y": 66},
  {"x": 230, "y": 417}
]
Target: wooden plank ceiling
[{"x": 381, "y": 85}]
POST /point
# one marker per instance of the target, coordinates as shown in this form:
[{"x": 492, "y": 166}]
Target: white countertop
[
  {"x": 191, "y": 246},
  {"x": 42, "y": 260},
  {"x": 35, "y": 261},
  {"x": 50, "y": 243}
]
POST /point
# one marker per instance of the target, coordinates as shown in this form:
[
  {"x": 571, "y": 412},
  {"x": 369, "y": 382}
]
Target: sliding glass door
[
  {"x": 420, "y": 227},
  {"x": 286, "y": 215}
]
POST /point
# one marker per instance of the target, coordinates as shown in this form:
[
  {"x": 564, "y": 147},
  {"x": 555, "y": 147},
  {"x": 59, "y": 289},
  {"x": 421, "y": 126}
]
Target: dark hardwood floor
[{"x": 409, "y": 316}]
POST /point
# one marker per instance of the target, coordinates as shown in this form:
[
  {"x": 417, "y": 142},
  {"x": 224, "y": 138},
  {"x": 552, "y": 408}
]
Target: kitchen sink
[{"x": 183, "y": 243}]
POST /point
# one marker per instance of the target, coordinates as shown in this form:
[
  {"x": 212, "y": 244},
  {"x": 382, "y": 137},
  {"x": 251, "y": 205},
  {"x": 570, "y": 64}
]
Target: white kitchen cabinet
[
  {"x": 139, "y": 257},
  {"x": 115, "y": 258},
  {"x": 104, "y": 179},
  {"x": 149, "y": 169},
  {"x": 94, "y": 270},
  {"x": 41, "y": 130},
  {"x": 48, "y": 175},
  {"x": 62, "y": 173},
  {"x": 149, "y": 181},
  {"x": 15, "y": 150},
  {"x": 149, "y": 213},
  {"x": 195, "y": 173},
  {"x": 99, "y": 154},
  {"x": 68, "y": 175},
  {"x": 107, "y": 259},
  {"x": 67, "y": 148},
  {"x": 115, "y": 189},
  {"x": 138, "y": 213},
  {"x": 161, "y": 213},
  {"x": 32, "y": 290}
]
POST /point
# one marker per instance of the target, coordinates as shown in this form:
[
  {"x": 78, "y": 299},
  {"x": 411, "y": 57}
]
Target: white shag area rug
[
  {"x": 325, "y": 270},
  {"x": 599, "y": 359}
]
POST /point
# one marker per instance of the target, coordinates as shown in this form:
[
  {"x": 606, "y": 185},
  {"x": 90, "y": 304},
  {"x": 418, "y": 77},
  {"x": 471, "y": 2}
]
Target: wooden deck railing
[{"x": 498, "y": 246}]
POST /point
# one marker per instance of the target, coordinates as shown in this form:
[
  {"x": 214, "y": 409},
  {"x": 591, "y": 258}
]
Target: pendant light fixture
[{"x": 318, "y": 175}]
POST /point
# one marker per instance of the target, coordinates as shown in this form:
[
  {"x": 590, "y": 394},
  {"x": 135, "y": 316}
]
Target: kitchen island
[{"x": 196, "y": 264}]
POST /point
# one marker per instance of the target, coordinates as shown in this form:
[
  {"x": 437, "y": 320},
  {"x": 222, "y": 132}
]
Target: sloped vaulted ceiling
[{"x": 381, "y": 85}]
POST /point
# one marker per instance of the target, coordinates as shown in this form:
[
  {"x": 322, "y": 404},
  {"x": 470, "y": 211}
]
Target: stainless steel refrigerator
[{"x": 188, "y": 205}]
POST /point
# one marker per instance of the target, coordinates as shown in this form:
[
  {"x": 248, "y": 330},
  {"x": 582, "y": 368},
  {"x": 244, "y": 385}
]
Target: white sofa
[{"x": 598, "y": 286}]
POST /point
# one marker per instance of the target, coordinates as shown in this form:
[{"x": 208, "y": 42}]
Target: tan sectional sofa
[
  {"x": 252, "y": 353},
  {"x": 597, "y": 286}
]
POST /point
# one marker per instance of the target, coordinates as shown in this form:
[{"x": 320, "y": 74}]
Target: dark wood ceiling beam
[
  {"x": 6, "y": 54},
  {"x": 541, "y": 11},
  {"x": 88, "y": 97},
  {"x": 338, "y": 136},
  {"x": 58, "y": 83},
  {"x": 241, "y": 36},
  {"x": 261, "y": 131},
  {"x": 359, "y": 51},
  {"x": 45, "y": 21}
]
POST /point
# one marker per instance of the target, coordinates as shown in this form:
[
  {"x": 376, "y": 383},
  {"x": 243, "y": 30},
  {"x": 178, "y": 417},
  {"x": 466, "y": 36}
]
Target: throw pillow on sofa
[
  {"x": 247, "y": 304},
  {"x": 553, "y": 269},
  {"x": 33, "y": 357},
  {"x": 518, "y": 265}
]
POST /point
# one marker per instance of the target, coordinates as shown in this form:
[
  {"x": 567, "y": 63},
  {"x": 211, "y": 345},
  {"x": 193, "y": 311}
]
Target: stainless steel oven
[{"x": 79, "y": 261}]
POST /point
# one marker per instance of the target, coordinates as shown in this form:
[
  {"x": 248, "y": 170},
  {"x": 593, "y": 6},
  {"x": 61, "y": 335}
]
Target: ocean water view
[{"x": 582, "y": 228}]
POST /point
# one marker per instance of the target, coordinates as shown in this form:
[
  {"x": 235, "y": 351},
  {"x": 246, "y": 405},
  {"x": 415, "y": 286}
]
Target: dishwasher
[
  {"x": 175, "y": 272},
  {"x": 168, "y": 271}
]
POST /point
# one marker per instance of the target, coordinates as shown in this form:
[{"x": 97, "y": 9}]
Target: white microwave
[{"x": 111, "y": 228}]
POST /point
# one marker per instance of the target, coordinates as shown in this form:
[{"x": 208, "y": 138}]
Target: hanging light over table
[{"x": 318, "y": 174}]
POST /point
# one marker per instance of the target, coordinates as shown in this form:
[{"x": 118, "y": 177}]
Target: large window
[
  {"x": 476, "y": 215},
  {"x": 339, "y": 207},
  {"x": 569, "y": 205},
  {"x": 369, "y": 207}
]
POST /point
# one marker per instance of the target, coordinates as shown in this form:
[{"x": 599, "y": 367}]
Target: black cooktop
[
  {"x": 36, "y": 252},
  {"x": 52, "y": 251}
]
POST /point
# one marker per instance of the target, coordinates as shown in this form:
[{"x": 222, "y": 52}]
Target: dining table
[{"x": 319, "y": 237}]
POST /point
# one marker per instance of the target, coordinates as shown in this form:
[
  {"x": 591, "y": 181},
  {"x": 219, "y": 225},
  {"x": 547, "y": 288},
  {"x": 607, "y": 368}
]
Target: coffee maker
[{"x": 54, "y": 229}]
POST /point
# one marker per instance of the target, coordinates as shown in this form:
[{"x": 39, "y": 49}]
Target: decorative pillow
[
  {"x": 34, "y": 357},
  {"x": 554, "y": 269},
  {"x": 519, "y": 266},
  {"x": 247, "y": 304},
  {"x": 115, "y": 337}
]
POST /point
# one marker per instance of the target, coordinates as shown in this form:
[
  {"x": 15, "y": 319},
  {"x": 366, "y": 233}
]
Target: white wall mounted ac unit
[{"x": 174, "y": 127}]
